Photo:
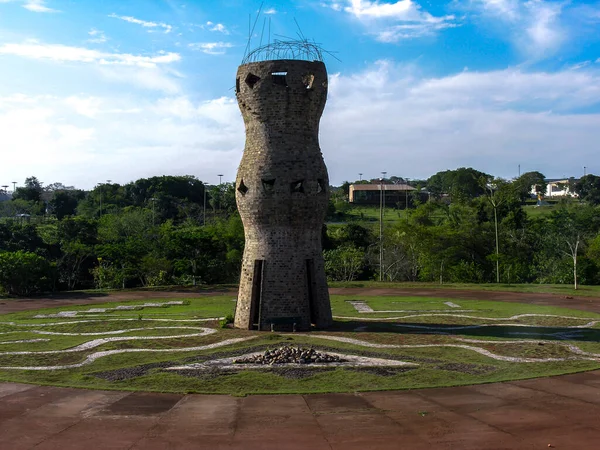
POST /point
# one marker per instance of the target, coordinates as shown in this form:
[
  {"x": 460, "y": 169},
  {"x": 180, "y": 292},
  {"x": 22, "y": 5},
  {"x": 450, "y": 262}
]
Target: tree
[
  {"x": 495, "y": 188},
  {"x": 31, "y": 191},
  {"x": 64, "y": 203},
  {"x": 343, "y": 263},
  {"x": 461, "y": 184},
  {"x": 353, "y": 235},
  {"x": 222, "y": 198},
  {"x": 529, "y": 181},
  {"x": 588, "y": 189},
  {"x": 20, "y": 237},
  {"x": 77, "y": 238},
  {"x": 571, "y": 227},
  {"x": 24, "y": 273}
]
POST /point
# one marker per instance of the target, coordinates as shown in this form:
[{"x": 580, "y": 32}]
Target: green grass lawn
[{"x": 435, "y": 352}]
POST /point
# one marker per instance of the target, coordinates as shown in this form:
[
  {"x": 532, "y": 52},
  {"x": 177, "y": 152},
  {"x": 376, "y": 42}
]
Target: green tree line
[{"x": 159, "y": 231}]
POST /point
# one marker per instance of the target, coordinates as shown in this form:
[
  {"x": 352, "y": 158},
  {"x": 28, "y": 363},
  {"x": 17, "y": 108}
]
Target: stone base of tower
[{"x": 278, "y": 292}]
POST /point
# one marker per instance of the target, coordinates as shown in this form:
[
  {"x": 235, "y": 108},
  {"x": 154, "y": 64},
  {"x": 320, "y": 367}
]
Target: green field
[{"x": 468, "y": 342}]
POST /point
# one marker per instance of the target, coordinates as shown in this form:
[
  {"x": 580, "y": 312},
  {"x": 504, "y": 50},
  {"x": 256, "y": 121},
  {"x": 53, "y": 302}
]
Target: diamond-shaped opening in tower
[
  {"x": 268, "y": 185},
  {"x": 279, "y": 78},
  {"x": 251, "y": 80},
  {"x": 297, "y": 186},
  {"x": 320, "y": 186},
  {"x": 308, "y": 81},
  {"x": 242, "y": 188}
]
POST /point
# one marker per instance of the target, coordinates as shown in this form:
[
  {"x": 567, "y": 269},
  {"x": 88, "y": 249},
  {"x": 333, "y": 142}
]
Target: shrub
[
  {"x": 226, "y": 321},
  {"x": 24, "y": 273}
]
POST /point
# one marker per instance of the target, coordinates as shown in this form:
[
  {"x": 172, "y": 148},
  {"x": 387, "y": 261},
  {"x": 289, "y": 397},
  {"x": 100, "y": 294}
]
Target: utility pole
[
  {"x": 381, "y": 213},
  {"x": 519, "y": 170}
]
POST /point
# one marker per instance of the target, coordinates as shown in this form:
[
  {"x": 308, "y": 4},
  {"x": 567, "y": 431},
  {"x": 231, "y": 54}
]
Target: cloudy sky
[{"x": 91, "y": 91}]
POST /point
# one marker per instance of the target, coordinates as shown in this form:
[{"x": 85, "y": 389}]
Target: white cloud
[
  {"x": 217, "y": 27},
  {"x": 63, "y": 53},
  {"x": 97, "y": 36},
  {"x": 86, "y": 106},
  {"x": 37, "y": 6},
  {"x": 151, "y": 25},
  {"x": 211, "y": 48},
  {"x": 388, "y": 117},
  {"x": 492, "y": 121},
  {"x": 146, "y": 72},
  {"x": 81, "y": 140},
  {"x": 534, "y": 26},
  {"x": 270, "y": 11},
  {"x": 156, "y": 78},
  {"x": 393, "y": 22}
]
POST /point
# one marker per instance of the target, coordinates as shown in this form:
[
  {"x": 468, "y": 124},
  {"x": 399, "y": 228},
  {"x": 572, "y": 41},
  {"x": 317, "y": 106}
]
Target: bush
[
  {"x": 226, "y": 321},
  {"x": 24, "y": 273}
]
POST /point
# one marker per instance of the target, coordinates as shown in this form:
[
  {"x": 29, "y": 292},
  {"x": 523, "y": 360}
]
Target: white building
[{"x": 558, "y": 187}]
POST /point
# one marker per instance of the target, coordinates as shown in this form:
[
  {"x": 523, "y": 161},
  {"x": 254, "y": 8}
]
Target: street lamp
[
  {"x": 584, "y": 171},
  {"x": 381, "y": 208}
]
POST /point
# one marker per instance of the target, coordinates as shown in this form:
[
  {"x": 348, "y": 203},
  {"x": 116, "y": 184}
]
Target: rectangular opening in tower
[
  {"x": 257, "y": 278},
  {"x": 279, "y": 78},
  {"x": 310, "y": 289}
]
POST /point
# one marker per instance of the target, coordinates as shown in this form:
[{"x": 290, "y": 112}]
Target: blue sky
[{"x": 91, "y": 91}]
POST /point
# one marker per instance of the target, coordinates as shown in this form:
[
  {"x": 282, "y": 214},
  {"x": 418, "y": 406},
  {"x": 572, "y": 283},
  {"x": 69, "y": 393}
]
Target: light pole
[
  {"x": 360, "y": 177},
  {"x": 381, "y": 209},
  {"x": 14, "y": 183},
  {"x": 5, "y": 188},
  {"x": 584, "y": 171},
  {"x": 220, "y": 192}
]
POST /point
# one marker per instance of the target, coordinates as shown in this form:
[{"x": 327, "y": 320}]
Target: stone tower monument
[{"x": 282, "y": 191}]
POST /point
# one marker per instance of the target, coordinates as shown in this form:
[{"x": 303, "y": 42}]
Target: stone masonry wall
[{"x": 282, "y": 191}]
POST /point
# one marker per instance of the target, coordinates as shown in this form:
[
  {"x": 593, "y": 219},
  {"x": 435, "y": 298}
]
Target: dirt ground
[{"x": 24, "y": 304}]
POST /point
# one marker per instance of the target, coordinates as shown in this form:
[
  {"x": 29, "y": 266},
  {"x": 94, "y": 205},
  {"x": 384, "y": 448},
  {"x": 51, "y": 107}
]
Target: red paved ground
[{"x": 563, "y": 412}]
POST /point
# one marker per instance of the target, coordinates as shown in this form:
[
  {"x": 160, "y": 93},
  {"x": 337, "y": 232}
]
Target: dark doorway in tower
[
  {"x": 310, "y": 287},
  {"x": 255, "y": 302}
]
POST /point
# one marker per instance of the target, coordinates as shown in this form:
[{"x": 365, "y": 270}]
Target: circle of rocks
[{"x": 290, "y": 355}]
